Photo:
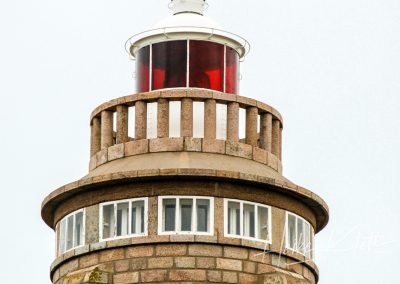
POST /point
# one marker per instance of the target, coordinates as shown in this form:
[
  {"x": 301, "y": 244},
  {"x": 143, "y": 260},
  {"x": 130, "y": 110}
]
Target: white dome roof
[
  {"x": 187, "y": 23},
  {"x": 187, "y": 20}
]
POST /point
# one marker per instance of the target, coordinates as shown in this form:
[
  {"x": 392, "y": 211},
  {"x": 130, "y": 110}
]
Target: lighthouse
[{"x": 185, "y": 178}]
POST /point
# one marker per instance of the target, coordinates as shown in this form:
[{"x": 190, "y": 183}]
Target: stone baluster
[
  {"x": 232, "y": 120},
  {"x": 140, "y": 120},
  {"x": 106, "y": 129},
  {"x": 251, "y": 126},
  {"x": 122, "y": 124},
  {"x": 163, "y": 118},
  {"x": 280, "y": 142},
  {"x": 210, "y": 119},
  {"x": 266, "y": 131},
  {"x": 275, "y": 137},
  {"x": 95, "y": 137},
  {"x": 186, "y": 117}
]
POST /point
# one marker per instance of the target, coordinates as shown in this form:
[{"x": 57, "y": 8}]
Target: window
[
  {"x": 72, "y": 231},
  {"x": 185, "y": 215},
  {"x": 123, "y": 218},
  {"x": 298, "y": 234},
  {"x": 187, "y": 63},
  {"x": 247, "y": 220}
]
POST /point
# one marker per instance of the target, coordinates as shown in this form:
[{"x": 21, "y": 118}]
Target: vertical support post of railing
[
  {"x": 251, "y": 126},
  {"x": 232, "y": 120},
  {"x": 210, "y": 119},
  {"x": 187, "y": 117},
  {"x": 275, "y": 137},
  {"x": 106, "y": 129},
  {"x": 266, "y": 131},
  {"x": 122, "y": 124},
  {"x": 280, "y": 142},
  {"x": 95, "y": 136},
  {"x": 140, "y": 120},
  {"x": 163, "y": 118}
]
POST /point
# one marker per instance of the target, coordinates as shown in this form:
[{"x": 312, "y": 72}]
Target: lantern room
[{"x": 187, "y": 50}]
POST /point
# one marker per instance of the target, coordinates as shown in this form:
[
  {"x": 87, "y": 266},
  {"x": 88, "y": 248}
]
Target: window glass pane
[
  {"x": 206, "y": 65},
  {"x": 70, "y": 231},
  {"x": 291, "y": 231},
  {"x": 79, "y": 229},
  {"x": 169, "y": 64},
  {"x": 169, "y": 206},
  {"x": 262, "y": 220},
  {"x": 122, "y": 218},
  {"x": 232, "y": 71},
  {"x": 186, "y": 206},
  {"x": 203, "y": 209},
  {"x": 137, "y": 217},
  {"x": 248, "y": 220},
  {"x": 63, "y": 233},
  {"x": 233, "y": 218},
  {"x": 108, "y": 221},
  {"x": 300, "y": 235},
  {"x": 143, "y": 69}
]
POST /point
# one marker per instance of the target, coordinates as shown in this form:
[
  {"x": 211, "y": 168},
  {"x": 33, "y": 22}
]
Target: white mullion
[
  {"x": 130, "y": 218},
  {"x": 287, "y": 230},
  {"x": 177, "y": 215},
  {"x": 73, "y": 230},
  {"x": 224, "y": 84},
  {"x": 144, "y": 217},
  {"x": 139, "y": 218},
  {"x": 101, "y": 221},
  {"x": 194, "y": 216},
  {"x": 187, "y": 62},
  {"x": 241, "y": 219},
  {"x": 269, "y": 224},
  {"x": 150, "y": 66},
  {"x": 115, "y": 219},
  {"x": 83, "y": 231},
  {"x": 256, "y": 221},
  {"x": 226, "y": 218},
  {"x": 296, "y": 245}
]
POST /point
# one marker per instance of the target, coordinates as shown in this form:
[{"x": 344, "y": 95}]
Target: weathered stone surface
[
  {"x": 229, "y": 264},
  {"x": 160, "y": 262},
  {"x": 153, "y": 275},
  {"x": 188, "y": 275},
  {"x": 185, "y": 262},
  {"x": 126, "y": 278},
  {"x": 235, "y": 252},
  {"x": 205, "y": 250},
  {"x": 171, "y": 250},
  {"x": 137, "y": 147}
]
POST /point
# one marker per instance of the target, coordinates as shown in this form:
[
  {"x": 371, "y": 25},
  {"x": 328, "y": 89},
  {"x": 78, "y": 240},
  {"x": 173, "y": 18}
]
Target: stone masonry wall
[{"x": 169, "y": 263}]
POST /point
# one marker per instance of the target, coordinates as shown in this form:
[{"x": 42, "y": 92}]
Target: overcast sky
[{"x": 331, "y": 67}]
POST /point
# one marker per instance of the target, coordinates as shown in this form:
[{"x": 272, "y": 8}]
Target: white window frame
[
  {"x": 297, "y": 246},
  {"x": 241, "y": 234},
  {"x": 115, "y": 204},
  {"x": 62, "y": 235},
  {"x": 177, "y": 220}
]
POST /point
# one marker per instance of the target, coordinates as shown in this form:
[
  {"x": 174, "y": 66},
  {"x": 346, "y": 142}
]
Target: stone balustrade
[{"x": 260, "y": 124}]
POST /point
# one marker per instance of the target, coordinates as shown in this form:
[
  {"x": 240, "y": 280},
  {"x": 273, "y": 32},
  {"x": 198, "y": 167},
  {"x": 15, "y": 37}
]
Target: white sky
[{"x": 331, "y": 67}]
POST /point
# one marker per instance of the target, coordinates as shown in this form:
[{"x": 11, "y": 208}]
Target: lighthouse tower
[{"x": 185, "y": 178}]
